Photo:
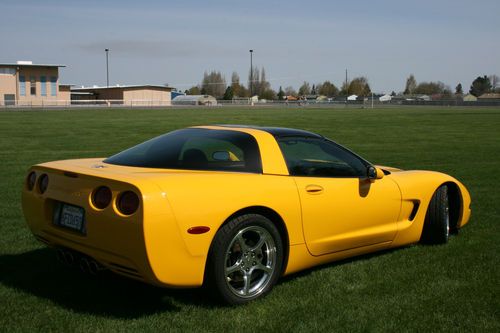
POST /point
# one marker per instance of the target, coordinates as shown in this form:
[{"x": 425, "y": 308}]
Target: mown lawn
[{"x": 454, "y": 287}]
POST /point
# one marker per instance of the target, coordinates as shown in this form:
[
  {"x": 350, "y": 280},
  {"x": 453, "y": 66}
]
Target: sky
[{"x": 175, "y": 42}]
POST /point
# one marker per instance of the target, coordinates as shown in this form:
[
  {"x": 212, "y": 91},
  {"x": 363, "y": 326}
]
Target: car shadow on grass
[{"x": 39, "y": 273}]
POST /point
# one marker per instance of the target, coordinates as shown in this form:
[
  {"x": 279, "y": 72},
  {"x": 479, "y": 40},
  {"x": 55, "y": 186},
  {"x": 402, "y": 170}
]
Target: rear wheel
[
  {"x": 437, "y": 220},
  {"x": 245, "y": 260}
]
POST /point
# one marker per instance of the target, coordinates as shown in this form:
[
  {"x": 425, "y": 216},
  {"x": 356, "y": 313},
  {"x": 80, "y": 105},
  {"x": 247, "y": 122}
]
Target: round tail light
[
  {"x": 101, "y": 197},
  {"x": 128, "y": 203},
  {"x": 31, "y": 180},
  {"x": 43, "y": 183}
]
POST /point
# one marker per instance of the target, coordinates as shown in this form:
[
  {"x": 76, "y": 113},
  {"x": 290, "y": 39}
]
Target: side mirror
[
  {"x": 221, "y": 156},
  {"x": 374, "y": 173}
]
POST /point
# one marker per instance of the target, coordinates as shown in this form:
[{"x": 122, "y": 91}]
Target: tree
[
  {"x": 327, "y": 89},
  {"x": 281, "y": 94},
  {"x": 228, "y": 94},
  {"x": 289, "y": 91},
  {"x": 264, "y": 86},
  {"x": 313, "y": 90},
  {"x": 411, "y": 85},
  {"x": 213, "y": 84},
  {"x": 305, "y": 89},
  {"x": 344, "y": 90},
  {"x": 495, "y": 83},
  {"x": 195, "y": 90},
  {"x": 431, "y": 88},
  {"x": 458, "y": 89},
  {"x": 359, "y": 86},
  {"x": 254, "y": 81},
  {"x": 237, "y": 89},
  {"x": 480, "y": 85}
]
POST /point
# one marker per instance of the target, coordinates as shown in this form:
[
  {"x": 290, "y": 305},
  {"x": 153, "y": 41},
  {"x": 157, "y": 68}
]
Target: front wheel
[
  {"x": 437, "y": 220},
  {"x": 245, "y": 260}
]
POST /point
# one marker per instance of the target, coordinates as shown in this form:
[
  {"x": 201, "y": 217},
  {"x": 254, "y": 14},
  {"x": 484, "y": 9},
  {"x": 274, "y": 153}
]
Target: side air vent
[{"x": 414, "y": 211}]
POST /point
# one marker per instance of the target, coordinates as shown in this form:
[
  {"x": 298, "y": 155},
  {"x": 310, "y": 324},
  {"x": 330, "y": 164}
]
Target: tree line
[
  {"x": 214, "y": 83},
  {"x": 481, "y": 85}
]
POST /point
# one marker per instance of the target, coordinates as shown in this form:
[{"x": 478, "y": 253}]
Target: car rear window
[{"x": 195, "y": 149}]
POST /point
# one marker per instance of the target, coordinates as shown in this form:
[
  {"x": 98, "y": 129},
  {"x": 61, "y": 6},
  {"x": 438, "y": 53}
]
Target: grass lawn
[{"x": 454, "y": 287}]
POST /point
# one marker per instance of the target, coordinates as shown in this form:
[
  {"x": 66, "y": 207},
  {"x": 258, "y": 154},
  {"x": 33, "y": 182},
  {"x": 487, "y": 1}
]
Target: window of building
[
  {"x": 43, "y": 85},
  {"x": 8, "y": 71},
  {"x": 53, "y": 86},
  {"x": 22, "y": 85},
  {"x": 32, "y": 86}
]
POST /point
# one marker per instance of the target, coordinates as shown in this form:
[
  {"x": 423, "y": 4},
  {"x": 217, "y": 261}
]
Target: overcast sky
[{"x": 174, "y": 42}]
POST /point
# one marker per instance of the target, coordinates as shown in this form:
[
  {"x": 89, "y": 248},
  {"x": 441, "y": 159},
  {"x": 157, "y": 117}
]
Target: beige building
[
  {"x": 28, "y": 84},
  {"x": 132, "y": 95}
]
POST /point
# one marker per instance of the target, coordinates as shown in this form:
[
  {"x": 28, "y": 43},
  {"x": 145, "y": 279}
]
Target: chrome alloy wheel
[{"x": 250, "y": 261}]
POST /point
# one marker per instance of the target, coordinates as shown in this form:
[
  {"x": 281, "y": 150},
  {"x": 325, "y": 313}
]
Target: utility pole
[
  {"x": 251, "y": 74},
  {"x": 107, "y": 67}
]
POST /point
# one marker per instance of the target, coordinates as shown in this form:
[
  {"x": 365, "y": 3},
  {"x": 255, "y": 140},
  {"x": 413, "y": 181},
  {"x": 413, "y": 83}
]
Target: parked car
[{"x": 234, "y": 208}]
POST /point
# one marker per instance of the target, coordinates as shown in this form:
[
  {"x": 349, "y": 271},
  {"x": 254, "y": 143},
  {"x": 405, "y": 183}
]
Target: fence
[{"x": 116, "y": 103}]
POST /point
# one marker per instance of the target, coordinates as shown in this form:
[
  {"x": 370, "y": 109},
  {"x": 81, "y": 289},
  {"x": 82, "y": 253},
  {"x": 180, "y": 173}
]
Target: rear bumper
[{"x": 146, "y": 245}]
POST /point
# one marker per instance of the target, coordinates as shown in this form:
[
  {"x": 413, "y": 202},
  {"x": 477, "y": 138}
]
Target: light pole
[
  {"x": 251, "y": 74},
  {"x": 107, "y": 67}
]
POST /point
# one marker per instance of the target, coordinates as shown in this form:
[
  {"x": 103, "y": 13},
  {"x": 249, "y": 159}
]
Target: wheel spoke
[
  {"x": 260, "y": 243},
  {"x": 234, "y": 268},
  {"x": 242, "y": 242},
  {"x": 246, "y": 283},
  {"x": 261, "y": 267}
]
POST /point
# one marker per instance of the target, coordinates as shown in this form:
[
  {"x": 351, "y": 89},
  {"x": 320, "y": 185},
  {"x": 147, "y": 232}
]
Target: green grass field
[{"x": 454, "y": 287}]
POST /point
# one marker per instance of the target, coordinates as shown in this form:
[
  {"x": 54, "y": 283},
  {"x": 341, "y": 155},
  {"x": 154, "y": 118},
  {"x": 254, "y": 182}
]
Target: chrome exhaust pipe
[
  {"x": 94, "y": 267},
  {"x": 84, "y": 265},
  {"x": 60, "y": 256},
  {"x": 69, "y": 258}
]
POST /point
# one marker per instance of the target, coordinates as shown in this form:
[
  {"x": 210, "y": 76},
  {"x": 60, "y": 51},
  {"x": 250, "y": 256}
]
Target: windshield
[{"x": 195, "y": 149}]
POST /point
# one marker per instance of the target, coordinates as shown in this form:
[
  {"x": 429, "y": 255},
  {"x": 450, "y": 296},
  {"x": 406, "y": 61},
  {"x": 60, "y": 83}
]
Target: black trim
[{"x": 278, "y": 131}]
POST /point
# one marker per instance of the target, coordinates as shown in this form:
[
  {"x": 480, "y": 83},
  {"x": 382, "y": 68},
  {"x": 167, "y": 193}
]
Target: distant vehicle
[{"x": 234, "y": 207}]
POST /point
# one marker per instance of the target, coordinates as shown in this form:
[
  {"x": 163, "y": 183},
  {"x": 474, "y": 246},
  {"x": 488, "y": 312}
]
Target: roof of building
[
  {"x": 123, "y": 87},
  {"x": 192, "y": 97},
  {"x": 30, "y": 65},
  {"x": 490, "y": 96}
]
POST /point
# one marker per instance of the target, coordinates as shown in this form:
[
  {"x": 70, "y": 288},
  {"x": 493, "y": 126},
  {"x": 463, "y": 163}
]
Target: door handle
[{"x": 314, "y": 189}]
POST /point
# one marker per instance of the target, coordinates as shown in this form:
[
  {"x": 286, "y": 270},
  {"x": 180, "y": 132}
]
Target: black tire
[
  {"x": 437, "y": 220},
  {"x": 245, "y": 260}
]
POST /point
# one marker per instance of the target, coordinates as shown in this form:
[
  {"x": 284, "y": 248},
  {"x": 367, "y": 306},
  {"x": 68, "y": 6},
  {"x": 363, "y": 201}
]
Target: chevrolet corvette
[{"x": 233, "y": 208}]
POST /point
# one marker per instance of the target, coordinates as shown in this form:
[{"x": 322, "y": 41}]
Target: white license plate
[{"x": 69, "y": 216}]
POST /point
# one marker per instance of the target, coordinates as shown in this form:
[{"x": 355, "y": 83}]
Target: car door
[{"x": 341, "y": 208}]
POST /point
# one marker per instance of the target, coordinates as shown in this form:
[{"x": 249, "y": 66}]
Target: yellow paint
[{"x": 326, "y": 218}]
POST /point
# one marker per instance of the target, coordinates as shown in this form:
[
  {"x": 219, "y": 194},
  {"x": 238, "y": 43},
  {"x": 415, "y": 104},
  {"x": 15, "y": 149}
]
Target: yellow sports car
[{"x": 234, "y": 208}]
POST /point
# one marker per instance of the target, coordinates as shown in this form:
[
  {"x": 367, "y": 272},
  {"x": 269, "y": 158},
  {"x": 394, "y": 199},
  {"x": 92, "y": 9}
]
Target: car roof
[{"x": 276, "y": 131}]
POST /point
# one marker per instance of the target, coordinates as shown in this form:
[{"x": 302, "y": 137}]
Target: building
[
  {"x": 469, "y": 98},
  {"x": 132, "y": 95},
  {"x": 385, "y": 98},
  {"x": 194, "y": 100},
  {"x": 489, "y": 97},
  {"x": 28, "y": 84}
]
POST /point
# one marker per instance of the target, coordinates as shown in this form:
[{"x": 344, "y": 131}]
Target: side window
[
  {"x": 211, "y": 153},
  {"x": 319, "y": 158}
]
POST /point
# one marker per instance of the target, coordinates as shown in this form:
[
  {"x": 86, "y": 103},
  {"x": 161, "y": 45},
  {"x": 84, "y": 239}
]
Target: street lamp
[
  {"x": 107, "y": 67},
  {"x": 251, "y": 74}
]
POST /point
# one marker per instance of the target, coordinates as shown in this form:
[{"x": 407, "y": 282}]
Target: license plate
[{"x": 71, "y": 217}]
